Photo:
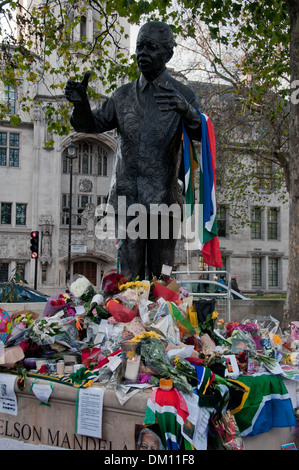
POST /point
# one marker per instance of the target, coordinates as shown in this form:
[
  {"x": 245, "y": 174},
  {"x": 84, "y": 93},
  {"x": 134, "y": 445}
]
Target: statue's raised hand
[
  {"x": 170, "y": 99},
  {"x": 75, "y": 92}
]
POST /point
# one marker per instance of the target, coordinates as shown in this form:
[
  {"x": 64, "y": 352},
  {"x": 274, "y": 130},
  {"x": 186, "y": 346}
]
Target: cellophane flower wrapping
[
  {"x": 227, "y": 432},
  {"x": 48, "y": 330},
  {"x": 55, "y": 303}
]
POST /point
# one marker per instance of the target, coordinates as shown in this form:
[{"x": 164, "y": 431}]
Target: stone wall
[
  {"x": 240, "y": 309},
  {"x": 257, "y": 308}
]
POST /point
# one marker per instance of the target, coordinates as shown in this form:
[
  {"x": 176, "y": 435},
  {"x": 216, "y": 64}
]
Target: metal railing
[{"x": 223, "y": 306}]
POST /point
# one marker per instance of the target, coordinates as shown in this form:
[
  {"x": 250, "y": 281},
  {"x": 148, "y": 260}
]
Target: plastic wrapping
[{"x": 227, "y": 432}]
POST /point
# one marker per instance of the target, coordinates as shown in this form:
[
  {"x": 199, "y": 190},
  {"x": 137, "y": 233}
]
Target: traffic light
[{"x": 34, "y": 244}]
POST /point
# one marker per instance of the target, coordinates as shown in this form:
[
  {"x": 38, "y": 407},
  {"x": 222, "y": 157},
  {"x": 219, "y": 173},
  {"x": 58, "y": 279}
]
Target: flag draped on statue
[{"x": 208, "y": 241}]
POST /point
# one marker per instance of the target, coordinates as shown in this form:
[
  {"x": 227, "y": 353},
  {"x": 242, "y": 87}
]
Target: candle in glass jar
[{"x": 132, "y": 368}]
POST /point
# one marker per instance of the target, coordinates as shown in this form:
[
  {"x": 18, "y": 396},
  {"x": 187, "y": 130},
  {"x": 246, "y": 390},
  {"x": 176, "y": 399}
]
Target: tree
[
  {"x": 271, "y": 30},
  {"x": 292, "y": 302},
  {"x": 251, "y": 136},
  {"x": 46, "y": 44}
]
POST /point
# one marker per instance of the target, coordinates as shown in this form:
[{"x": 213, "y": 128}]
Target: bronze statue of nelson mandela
[{"x": 148, "y": 115}]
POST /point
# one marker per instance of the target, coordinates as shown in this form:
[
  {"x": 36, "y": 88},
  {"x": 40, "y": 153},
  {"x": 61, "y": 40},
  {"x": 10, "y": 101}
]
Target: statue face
[{"x": 151, "y": 53}]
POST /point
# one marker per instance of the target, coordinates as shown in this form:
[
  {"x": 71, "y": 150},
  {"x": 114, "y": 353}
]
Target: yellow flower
[
  {"x": 214, "y": 315},
  {"x": 145, "y": 334},
  {"x": 134, "y": 285},
  {"x": 175, "y": 360},
  {"x": 130, "y": 354}
]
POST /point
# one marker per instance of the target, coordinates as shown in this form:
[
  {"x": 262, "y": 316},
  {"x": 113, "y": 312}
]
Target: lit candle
[{"x": 132, "y": 368}]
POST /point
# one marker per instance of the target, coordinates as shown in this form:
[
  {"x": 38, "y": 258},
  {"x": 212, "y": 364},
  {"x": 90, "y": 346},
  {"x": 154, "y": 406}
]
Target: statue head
[{"x": 154, "y": 48}]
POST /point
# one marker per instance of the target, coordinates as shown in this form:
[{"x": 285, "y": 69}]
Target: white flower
[{"x": 80, "y": 286}]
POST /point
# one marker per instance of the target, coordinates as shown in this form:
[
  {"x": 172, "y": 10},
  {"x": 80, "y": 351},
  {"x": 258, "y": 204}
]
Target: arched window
[
  {"x": 102, "y": 161},
  {"x": 92, "y": 159},
  {"x": 85, "y": 158}
]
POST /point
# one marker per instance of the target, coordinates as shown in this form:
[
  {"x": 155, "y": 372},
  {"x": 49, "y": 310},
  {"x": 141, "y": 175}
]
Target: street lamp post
[{"x": 71, "y": 155}]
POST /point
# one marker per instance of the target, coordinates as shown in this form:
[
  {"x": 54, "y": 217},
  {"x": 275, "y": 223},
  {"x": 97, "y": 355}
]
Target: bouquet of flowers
[
  {"x": 82, "y": 289},
  {"x": 23, "y": 320},
  {"x": 59, "y": 302},
  {"x": 209, "y": 326},
  {"x": 153, "y": 355},
  {"x": 183, "y": 293},
  {"x": 43, "y": 331},
  {"x": 49, "y": 330},
  {"x": 141, "y": 288},
  {"x": 226, "y": 431},
  {"x": 112, "y": 281},
  {"x": 122, "y": 309},
  {"x": 247, "y": 327}
]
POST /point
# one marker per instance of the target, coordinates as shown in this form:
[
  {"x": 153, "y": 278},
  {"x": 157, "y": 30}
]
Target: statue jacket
[{"x": 148, "y": 154}]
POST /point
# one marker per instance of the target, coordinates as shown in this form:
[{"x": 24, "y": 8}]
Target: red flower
[
  {"x": 21, "y": 383},
  {"x": 111, "y": 282}
]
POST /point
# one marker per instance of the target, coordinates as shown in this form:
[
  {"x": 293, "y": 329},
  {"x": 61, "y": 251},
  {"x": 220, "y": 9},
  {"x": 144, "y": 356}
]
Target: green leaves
[{"x": 54, "y": 43}]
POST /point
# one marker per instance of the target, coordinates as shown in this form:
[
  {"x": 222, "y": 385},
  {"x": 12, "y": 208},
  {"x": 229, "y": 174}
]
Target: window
[
  {"x": 65, "y": 207},
  {"x": 92, "y": 160},
  {"x": 20, "y": 269},
  {"x": 101, "y": 200},
  {"x": 266, "y": 174},
  {"x": 21, "y": 214},
  {"x": 202, "y": 266},
  {"x": 3, "y": 272},
  {"x": 102, "y": 162},
  {"x": 272, "y": 224},
  {"x": 221, "y": 221},
  {"x": 256, "y": 273},
  {"x": 44, "y": 273},
  {"x": 82, "y": 201},
  {"x": 9, "y": 99},
  {"x": 85, "y": 158},
  {"x": 6, "y": 212},
  {"x": 256, "y": 223},
  {"x": 65, "y": 163},
  {"x": 273, "y": 272},
  {"x": 83, "y": 27},
  {"x": 76, "y": 216},
  {"x": 9, "y": 148}
]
